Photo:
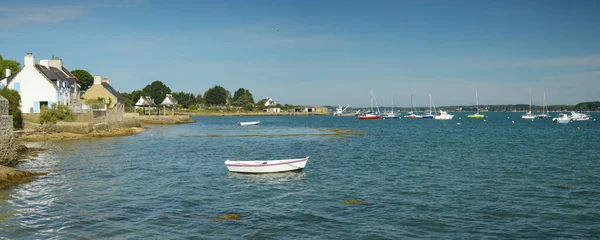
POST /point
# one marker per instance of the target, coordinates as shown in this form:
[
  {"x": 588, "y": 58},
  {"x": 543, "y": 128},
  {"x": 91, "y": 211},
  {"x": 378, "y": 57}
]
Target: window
[
  {"x": 17, "y": 86},
  {"x": 42, "y": 104}
]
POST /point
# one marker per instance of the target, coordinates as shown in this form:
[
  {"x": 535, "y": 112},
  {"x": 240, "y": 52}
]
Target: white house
[
  {"x": 269, "y": 102},
  {"x": 43, "y": 84}
]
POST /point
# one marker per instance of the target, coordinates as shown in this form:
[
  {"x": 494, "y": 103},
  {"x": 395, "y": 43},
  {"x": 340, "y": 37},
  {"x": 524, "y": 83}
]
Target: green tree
[
  {"x": 245, "y": 95},
  {"x": 199, "y": 99},
  {"x": 13, "y": 65},
  {"x": 2, "y": 68},
  {"x": 239, "y": 93},
  {"x": 216, "y": 95},
  {"x": 157, "y": 90},
  {"x": 244, "y": 100},
  {"x": 185, "y": 99},
  {"x": 84, "y": 78},
  {"x": 14, "y": 106},
  {"x": 135, "y": 96}
]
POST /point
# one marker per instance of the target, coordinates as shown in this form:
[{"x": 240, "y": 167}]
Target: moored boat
[
  {"x": 562, "y": 118},
  {"x": 248, "y": 123},
  {"x": 529, "y": 115},
  {"x": 443, "y": 116},
  {"x": 370, "y": 115},
  {"x": 476, "y": 115},
  {"x": 391, "y": 114},
  {"x": 579, "y": 116},
  {"x": 414, "y": 113},
  {"x": 266, "y": 166},
  {"x": 544, "y": 113}
]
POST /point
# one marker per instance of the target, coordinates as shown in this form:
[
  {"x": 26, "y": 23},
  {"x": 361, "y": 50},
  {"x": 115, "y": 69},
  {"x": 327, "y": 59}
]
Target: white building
[
  {"x": 269, "y": 102},
  {"x": 42, "y": 84}
]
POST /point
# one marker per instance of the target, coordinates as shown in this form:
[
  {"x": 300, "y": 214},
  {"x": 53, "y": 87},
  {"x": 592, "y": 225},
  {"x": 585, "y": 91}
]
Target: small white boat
[
  {"x": 562, "y": 118},
  {"x": 443, "y": 116},
  {"x": 266, "y": 166},
  {"x": 579, "y": 116},
  {"x": 248, "y": 123},
  {"x": 528, "y": 116}
]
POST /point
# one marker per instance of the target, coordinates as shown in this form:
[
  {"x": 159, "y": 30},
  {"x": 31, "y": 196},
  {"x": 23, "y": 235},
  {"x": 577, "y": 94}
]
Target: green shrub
[
  {"x": 194, "y": 108},
  {"x": 14, "y": 104},
  {"x": 56, "y": 113},
  {"x": 140, "y": 111}
]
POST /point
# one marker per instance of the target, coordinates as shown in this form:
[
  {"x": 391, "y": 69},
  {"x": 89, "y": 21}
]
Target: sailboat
[
  {"x": 529, "y": 115},
  {"x": 413, "y": 114},
  {"x": 392, "y": 114},
  {"x": 545, "y": 111},
  {"x": 429, "y": 114},
  {"x": 370, "y": 114},
  {"x": 476, "y": 115}
]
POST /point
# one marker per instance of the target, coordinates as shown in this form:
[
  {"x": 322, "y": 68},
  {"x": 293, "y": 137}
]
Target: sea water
[{"x": 420, "y": 178}]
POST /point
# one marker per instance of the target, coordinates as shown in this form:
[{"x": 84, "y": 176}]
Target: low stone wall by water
[
  {"x": 173, "y": 119},
  {"x": 131, "y": 120},
  {"x": 74, "y": 127},
  {"x": 7, "y": 142}
]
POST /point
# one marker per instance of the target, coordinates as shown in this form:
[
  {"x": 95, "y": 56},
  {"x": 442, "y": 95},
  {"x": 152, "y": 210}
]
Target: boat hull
[
  {"x": 267, "y": 166},
  {"x": 561, "y": 120},
  {"x": 543, "y": 116},
  {"x": 248, "y": 123},
  {"x": 390, "y": 117},
  {"x": 368, "y": 117},
  {"x": 428, "y": 116},
  {"x": 528, "y": 117},
  {"x": 476, "y": 116},
  {"x": 444, "y": 117}
]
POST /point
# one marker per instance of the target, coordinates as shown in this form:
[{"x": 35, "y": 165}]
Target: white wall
[{"x": 34, "y": 87}]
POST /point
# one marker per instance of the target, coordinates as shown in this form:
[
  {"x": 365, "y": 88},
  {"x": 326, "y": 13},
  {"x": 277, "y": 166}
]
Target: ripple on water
[{"x": 422, "y": 178}]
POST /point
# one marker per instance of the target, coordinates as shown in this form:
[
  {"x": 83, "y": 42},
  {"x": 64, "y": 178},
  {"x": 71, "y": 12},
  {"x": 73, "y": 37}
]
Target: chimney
[
  {"x": 97, "y": 80},
  {"x": 29, "y": 60},
  {"x": 105, "y": 80},
  {"x": 45, "y": 63},
  {"x": 7, "y": 72},
  {"x": 56, "y": 62}
]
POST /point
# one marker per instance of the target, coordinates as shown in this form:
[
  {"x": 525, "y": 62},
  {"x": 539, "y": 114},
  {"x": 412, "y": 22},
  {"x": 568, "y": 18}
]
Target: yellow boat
[{"x": 476, "y": 115}]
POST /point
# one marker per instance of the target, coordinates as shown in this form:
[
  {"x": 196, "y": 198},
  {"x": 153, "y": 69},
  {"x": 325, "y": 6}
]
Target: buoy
[
  {"x": 484, "y": 120},
  {"x": 513, "y": 121},
  {"x": 457, "y": 123},
  {"x": 578, "y": 128},
  {"x": 532, "y": 120},
  {"x": 507, "y": 117},
  {"x": 458, "y": 117}
]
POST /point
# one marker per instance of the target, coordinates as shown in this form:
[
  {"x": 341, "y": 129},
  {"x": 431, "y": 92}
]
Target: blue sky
[{"x": 323, "y": 52}]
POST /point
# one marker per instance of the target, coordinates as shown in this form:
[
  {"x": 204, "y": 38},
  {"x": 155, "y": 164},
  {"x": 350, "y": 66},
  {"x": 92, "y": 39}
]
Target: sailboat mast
[
  {"x": 393, "y": 103},
  {"x": 371, "y": 100},
  {"x": 477, "y": 100},
  {"x": 530, "y": 100},
  {"x": 545, "y": 109}
]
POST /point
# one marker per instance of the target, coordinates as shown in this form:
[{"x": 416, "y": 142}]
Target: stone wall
[
  {"x": 7, "y": 141},
  {"x": 131, "y": 120},
  {"x": 159, "y": 119}
]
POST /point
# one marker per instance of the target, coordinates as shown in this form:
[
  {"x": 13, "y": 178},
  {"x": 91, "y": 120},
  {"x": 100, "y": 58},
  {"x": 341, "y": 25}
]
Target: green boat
[{"x": 476, "y": 115}]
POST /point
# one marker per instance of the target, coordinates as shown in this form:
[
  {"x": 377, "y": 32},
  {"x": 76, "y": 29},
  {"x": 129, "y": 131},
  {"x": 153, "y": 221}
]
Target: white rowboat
[
  {"x": 248, "y": 123},
  {"x": 266, "y": 166}
]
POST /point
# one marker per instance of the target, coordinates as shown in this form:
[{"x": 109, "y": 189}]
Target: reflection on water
[{"x": 269, "y": 178}]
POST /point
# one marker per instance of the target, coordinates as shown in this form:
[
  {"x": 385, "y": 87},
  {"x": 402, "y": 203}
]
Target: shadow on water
[{"x": 269, "y": 178}]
